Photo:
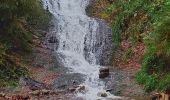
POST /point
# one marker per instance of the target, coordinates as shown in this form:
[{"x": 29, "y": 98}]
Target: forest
[{"x": 135, "y": 24}]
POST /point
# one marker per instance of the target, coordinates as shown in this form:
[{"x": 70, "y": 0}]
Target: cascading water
[{"x": 78, "y": 45}]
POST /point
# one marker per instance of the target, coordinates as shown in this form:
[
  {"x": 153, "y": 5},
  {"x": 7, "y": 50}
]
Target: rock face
[
  {"x": 102, "y": 46},
  {"x": 104, "y": 72}
]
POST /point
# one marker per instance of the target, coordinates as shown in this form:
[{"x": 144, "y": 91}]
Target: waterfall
[{"x": 82, "y": 42}]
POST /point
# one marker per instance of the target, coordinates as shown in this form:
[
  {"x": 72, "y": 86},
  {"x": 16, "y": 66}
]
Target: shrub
[{"x": 18, "y": 20}]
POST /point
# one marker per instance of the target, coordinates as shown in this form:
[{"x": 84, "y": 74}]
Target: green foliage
[
  {"x": 18, "y": 20},
  {"x": 164, "y": 83},
  {"x": 146, "y": 21},
  {"x": 128, "y": 54},
  {"x": 149, "y": 81},
  {"x": 9, "y": 72},
  {"x": 156, "y": 60},
  {"x": 16, "y": 17},
  {"x": 131, "y": 18}
]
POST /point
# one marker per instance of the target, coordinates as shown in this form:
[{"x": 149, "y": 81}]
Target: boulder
[
  {"x": 32, "y": 84},
  {"x": 103, "y": 75},
  {"x": 104, "y": 72}
]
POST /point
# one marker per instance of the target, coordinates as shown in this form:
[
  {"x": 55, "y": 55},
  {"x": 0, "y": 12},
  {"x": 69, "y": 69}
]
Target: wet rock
[
  {"x": 109, "y": 90},
  {"x": 78, "y": 98},
  {"x": 102, "y": 94},
  {"x": 103, "y": 75},
  {"x": 53, "y": 39},
  {"x": 81, "y": 88},
  {"x": 68, "y": 80},
  {"x": 103, "y": 46},
  {"x": 72, "y": 89},
  {"x": 32, "y": 84},
  {"x": 104, "y": 72}
]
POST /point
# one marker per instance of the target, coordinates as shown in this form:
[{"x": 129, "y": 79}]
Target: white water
[{"x": 72, "y": 27}]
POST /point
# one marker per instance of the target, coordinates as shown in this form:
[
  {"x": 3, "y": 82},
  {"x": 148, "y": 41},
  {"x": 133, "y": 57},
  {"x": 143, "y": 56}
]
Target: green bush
[
  {"x": 149, "y": 21},
  {"x": 156, "y": 59},
  {"x": 18, "y": 21}
]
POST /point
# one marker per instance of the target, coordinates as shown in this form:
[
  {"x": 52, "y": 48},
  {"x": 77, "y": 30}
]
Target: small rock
[
  {"x": 72, "y": 89},
  {"x": 103, "y": 75},
  {"x": 108, "y": 90},
  {"x": 104, "y": 72},
  {"x": 45, "y": 92},
  {"x": 37, "y": 92},
  {"x": 81, "y": 88},
  {"x": 2, "y": 94},
  {"x": 102, "y": 94},
  {"x": 35, "y": 37}
]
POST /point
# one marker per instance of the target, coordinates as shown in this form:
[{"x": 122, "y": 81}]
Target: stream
[{"x": 84, "y": 44}]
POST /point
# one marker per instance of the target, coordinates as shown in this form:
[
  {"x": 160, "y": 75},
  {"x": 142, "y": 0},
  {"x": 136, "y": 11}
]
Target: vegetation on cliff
[
  {"x": 142, "y": 21},
  {"x": 18, "y": 21}
]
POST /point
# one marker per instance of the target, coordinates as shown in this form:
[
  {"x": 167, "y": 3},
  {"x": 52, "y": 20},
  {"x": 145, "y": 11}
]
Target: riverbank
[
  {"x": 126, "y": 59},
  {"x": 40, "y": 64}
]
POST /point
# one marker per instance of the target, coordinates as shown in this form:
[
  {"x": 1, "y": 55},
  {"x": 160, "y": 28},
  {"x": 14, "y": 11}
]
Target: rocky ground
[{"x": 121, "y": 82}]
